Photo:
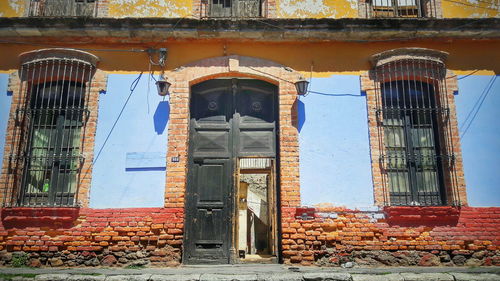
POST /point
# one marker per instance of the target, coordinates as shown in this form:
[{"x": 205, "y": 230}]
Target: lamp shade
[
  {"x": 162, "y": 84},
  {"x": 301, "y": 86}
]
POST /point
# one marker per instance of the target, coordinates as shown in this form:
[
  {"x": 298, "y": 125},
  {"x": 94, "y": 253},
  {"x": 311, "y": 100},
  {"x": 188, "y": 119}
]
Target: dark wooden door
[{"x": 230, "y": 118}]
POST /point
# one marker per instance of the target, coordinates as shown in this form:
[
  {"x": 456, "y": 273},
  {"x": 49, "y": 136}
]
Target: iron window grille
[
  {"x": 49, "y": 130},
  {"x": 61, "y": 8},
  {"x": 401, "y": 8},
  {"x": 233, "y": 8},
  {"x": 415, "y": 139}
]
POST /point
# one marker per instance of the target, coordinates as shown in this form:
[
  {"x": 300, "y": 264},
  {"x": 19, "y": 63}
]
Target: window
[
  {"x": 53, "y": 151},
  {"x": 60, "y": 8},
  {"x": 400, "y": 8},
  {"x": 234, "y": 8},
  {"x": 415, "y": 152},
  {"x": 51, "y": 136},
  {"x": 411, "y": 139}
]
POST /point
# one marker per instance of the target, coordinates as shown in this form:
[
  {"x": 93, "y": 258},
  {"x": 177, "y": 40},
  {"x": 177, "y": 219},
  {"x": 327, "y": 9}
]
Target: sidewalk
[{"x": 253, "y": 273}]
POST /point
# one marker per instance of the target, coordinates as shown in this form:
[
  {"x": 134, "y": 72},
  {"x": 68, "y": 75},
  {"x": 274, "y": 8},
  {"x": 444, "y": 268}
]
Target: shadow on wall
[
  {"x": 160, "y": 118},
  {"x": 301, "y": 112}
]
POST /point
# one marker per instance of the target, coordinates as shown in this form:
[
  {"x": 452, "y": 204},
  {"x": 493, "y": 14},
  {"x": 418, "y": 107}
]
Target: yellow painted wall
[
  {"x": 12, "y": 8},
  {"x": 327, "y": 58},
  {"x": 317, "y": 8},
  {"x": 150, "y": 8},
  {"x": 471, "y": 8},
  {"x": 284, "y": 8}
]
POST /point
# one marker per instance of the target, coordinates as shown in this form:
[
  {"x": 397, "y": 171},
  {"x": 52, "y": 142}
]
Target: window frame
[
  {"x": 417, "y": 65},
  {"x": 40, "y": 70}
]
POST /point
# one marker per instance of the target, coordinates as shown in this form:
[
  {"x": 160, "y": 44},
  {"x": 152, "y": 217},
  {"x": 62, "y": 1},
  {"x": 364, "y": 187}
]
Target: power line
[
  {"x": 476, "y": 103},
  {"x": 467, "y": 75},
  {"x": 132, "y": 88},
  {"x": 487, "y": 89},
  {"x": 333, "y": 95}
]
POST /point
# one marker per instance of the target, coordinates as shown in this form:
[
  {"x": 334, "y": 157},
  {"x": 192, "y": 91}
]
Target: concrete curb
[{"x": 319, "y": 276}]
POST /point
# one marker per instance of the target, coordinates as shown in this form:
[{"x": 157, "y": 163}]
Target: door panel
[
  {"x": 208, "y": 213},
  {"x": 230, "y": 118}
]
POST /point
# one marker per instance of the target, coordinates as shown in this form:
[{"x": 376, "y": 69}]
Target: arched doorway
[{"x": 230, "y": 201}]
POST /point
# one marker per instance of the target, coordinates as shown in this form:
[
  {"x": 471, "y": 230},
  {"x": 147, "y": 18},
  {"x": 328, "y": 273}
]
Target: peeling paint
[
  {"x": 150, "y": 8},
  {"x": 470, "y": 9},
  {"x": 12, "y": 8},
  {"x": 317, "y": 8}
]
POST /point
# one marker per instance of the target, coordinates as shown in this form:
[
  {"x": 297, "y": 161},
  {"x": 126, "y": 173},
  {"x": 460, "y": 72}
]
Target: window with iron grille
[
  {"x": 49, "y": 125},
  {"x": 400, "y": 8},
  {"x": 61, "y": 8},
  {"x": 412, "y": 128},
  {"x": 233, "y": 8},
  {"x": 57, "y": 115}
]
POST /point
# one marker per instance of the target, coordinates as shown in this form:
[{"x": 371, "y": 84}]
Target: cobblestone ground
[{"x": 254, "y": 273}]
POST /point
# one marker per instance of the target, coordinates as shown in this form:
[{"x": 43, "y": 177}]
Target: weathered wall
[
  {"x": 470, "y": 9},
  {"x": 326, "y": 58},
  {"x": 401, "y": 236},
  {"x": 92, "y": 237},
  {"x": 284, "y": 8},
  {"x": 150, "y": 8},
  {"x": 12, "y": 8}
]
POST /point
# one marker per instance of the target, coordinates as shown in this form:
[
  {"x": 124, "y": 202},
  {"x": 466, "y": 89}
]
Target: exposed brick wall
[
  {"x": 69, "y": 236},
  {"x": 232, "y": 66},
  {"x": 424, "y": 236},
  {"x": 325, "y": 236}
]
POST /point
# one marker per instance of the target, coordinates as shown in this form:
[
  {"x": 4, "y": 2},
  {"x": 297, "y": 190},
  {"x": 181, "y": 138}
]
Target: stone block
[
  {"x": 427, "y": 277},
  {"x": 476, "y": 276},
  {"x": 330, "y": 276},
  {"x": 176, "y": 277},
  {"x": 378, "y": 277},
  {"x": 52, "y": 277},
  {"x": 131, "y": 277}
]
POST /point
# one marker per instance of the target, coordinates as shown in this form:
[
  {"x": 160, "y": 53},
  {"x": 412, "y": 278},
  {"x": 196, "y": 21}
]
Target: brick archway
[{"x": 184, "y": 77}]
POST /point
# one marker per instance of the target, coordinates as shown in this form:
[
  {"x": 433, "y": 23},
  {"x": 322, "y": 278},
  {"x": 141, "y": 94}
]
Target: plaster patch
[
  {"x": 150, "y": 8},
  {"x": 15, "y": 5},
  {"x": 304, "y": 8}
]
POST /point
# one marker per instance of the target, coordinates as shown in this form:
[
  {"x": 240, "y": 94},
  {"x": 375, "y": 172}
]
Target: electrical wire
[
  {"x": 476, "y": 104},
  {"x": 132, "y": 88},
  {"x": 481, "y": 99},
  {"x": 467, "y": 75},
  {"x": 334, "y": 95}
]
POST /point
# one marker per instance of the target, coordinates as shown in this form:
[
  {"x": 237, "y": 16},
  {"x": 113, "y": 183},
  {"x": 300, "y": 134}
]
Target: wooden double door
[{"x": 231, "y": 119}]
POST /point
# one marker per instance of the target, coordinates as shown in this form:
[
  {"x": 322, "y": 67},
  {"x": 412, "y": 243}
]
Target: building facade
[{"x": 249, "y": 131}]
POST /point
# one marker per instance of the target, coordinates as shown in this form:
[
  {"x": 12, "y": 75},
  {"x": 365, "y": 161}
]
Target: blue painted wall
[
  {"x": 130, "y": 170},
  {"x": 5, "y": 101},
  {"x": 334, "y": 146},
  {"x": 481, "y": 142}
]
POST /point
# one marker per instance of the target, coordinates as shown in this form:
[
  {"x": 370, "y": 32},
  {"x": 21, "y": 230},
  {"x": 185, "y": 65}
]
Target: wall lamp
[
  {"x": 162, "y": 85},
  {"x": 301, "y": 86}
]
